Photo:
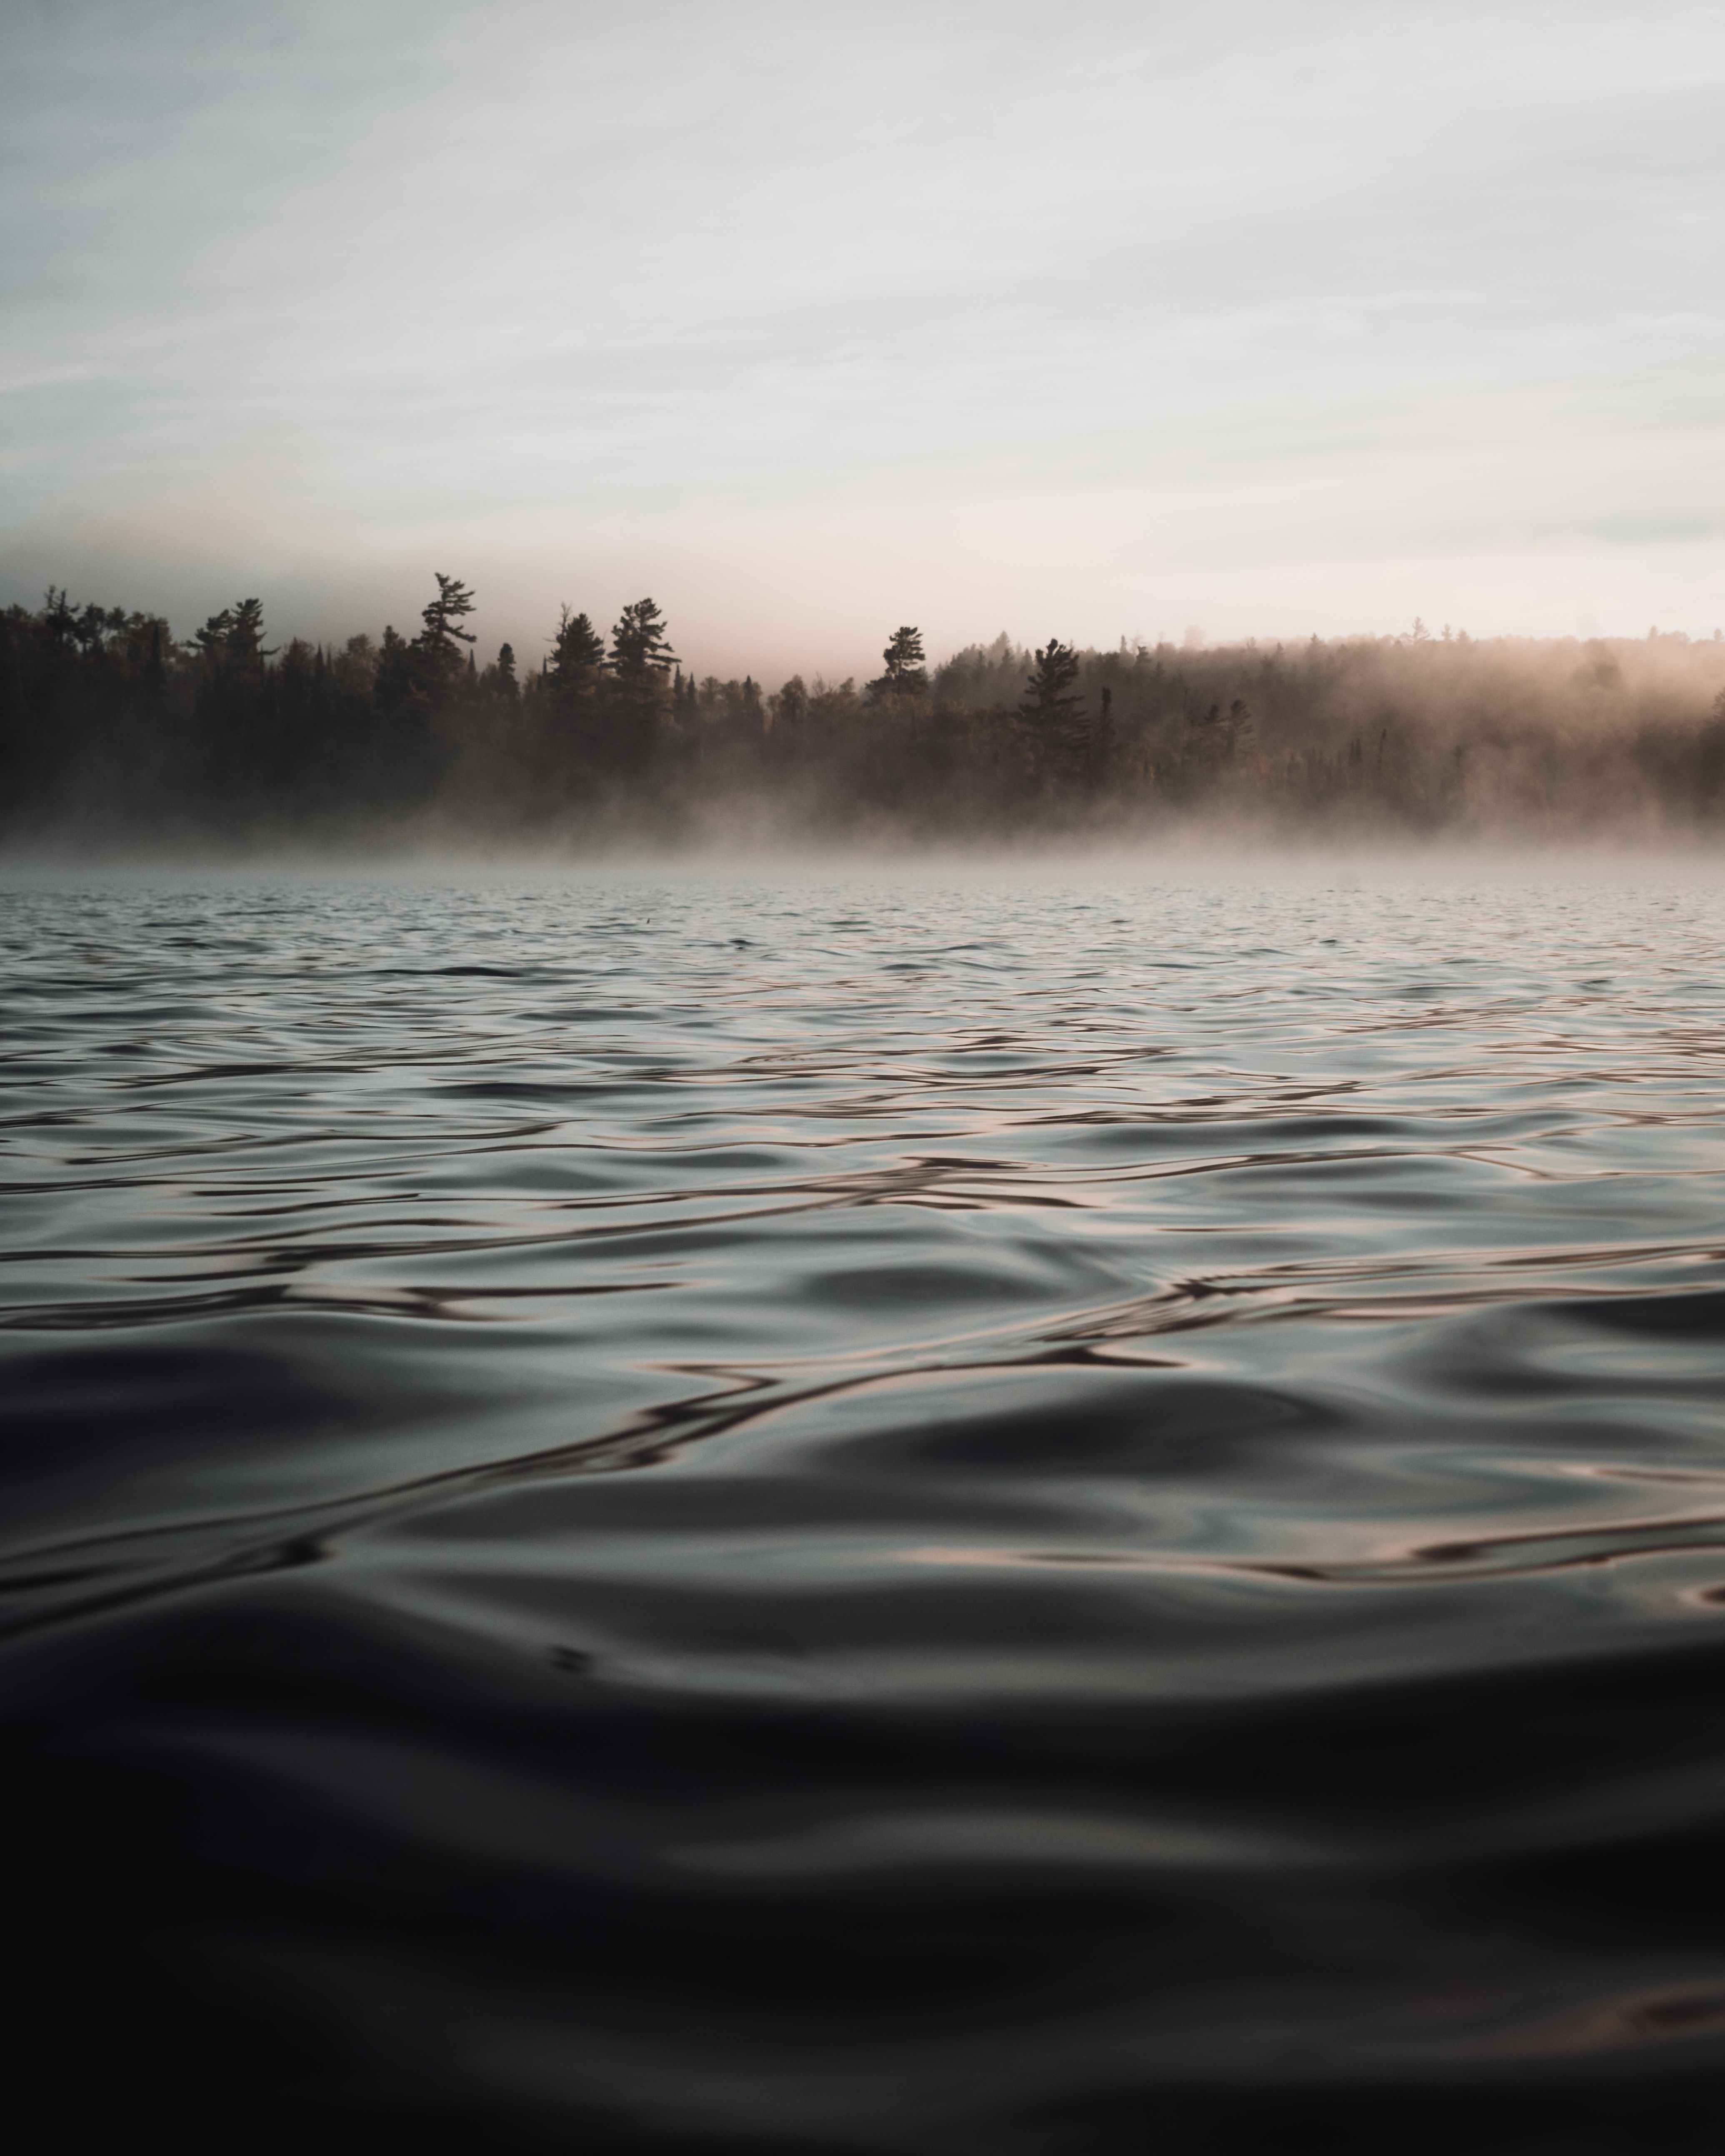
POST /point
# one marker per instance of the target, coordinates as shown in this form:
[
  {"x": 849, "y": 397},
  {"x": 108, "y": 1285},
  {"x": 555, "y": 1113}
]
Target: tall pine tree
[
  {"x": 1045, "y": 703},
  {"x": 641, "y": 664},
  {"x": 438, "y": 646}
]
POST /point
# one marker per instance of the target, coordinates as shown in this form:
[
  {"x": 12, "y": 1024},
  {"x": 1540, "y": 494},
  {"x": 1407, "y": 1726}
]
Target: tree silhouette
[
  {"x": 577, "y": 655},
  {"x": 438, "y": 643},
  {"x": 1045, "y": 703},
  {"x": 575, "y": 682},
  {"x": 638, "y": 643},
  {"x": 641, "y": 661},
  {"x": 234, "y": 639},
  {"x": 104, "y": 714},
  {"x": 906, "y": 674},
  {"x": 443, "y": 617},
  {"x": 393, "y": 680}
]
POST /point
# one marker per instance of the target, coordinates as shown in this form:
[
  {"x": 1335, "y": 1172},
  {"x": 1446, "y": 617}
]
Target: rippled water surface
[{"x": 960, "y": 1517}]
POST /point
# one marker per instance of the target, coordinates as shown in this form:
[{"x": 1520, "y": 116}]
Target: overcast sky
[{"x": 810, "y": 318}]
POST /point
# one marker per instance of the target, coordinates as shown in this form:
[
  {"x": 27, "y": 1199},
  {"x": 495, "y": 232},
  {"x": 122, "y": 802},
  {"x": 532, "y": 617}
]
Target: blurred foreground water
[{"x": 700, "y": 1517}]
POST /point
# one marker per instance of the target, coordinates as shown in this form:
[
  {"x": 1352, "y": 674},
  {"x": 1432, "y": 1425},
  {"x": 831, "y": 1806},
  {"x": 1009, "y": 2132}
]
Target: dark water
[{"x": 825, "y": 1518}]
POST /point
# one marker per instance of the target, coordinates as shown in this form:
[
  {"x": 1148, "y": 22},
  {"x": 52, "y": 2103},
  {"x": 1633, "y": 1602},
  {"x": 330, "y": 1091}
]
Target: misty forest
[{"x": 114, "y": 731}]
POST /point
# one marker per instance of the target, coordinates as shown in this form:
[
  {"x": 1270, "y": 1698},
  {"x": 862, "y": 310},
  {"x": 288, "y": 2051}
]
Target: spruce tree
[{"x": 577, "y": 656}]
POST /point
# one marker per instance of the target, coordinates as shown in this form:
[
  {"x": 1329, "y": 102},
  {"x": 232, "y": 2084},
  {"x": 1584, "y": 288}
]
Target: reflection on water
[{"x": 695, "y": 1516}]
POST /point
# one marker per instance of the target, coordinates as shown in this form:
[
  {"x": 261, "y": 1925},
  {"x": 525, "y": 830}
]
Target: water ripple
[{"x": 940, "y": 1518}]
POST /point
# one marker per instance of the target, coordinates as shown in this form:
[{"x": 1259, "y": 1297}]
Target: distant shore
[{"x": 116, "y": 734}]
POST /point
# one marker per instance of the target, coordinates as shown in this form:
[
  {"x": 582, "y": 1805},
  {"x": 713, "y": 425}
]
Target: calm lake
[{"x": 954, "y": 1515}]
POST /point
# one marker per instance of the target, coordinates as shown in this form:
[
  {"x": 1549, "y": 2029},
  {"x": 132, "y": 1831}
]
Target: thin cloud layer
[{"x": 1178, "y": 313}]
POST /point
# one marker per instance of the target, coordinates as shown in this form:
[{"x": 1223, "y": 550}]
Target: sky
[{"x": 806, "y": 320}]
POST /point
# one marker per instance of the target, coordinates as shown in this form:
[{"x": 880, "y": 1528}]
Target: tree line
[{"x": 111, "y": 729}]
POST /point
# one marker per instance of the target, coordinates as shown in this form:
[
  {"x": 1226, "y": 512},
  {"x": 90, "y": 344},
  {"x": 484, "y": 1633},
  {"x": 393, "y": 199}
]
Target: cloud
[{"x": 1277, "y": 286}]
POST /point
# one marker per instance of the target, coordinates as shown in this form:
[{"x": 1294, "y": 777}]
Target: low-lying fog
[{"x": 116, "y": 741}]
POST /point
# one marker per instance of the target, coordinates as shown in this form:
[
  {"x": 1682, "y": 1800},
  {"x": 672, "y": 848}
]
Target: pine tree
[
  {"x": 638, "y": 642},
  {"x": 438, "y": 643},
  {"x": 906, "y": 674},
  {"x": 641, "y": 664},
  {"x": 1046, "y": 703},
  {"x": 234, "y": 639},
  {"x": 507, "y": 687}
]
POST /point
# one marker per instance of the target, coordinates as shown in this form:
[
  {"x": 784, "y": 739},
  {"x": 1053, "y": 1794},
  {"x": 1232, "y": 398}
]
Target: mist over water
[
  {"x": 117, "y": 738},
  {"x": 1019, "y": 1513}
]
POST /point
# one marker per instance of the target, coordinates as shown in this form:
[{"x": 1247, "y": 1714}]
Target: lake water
[{"x": 956, "y": 1516}]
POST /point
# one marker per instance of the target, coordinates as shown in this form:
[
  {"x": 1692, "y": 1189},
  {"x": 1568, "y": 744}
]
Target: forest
[{"x": 114, "y": 734}]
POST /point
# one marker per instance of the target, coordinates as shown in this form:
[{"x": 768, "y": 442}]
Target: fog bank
[{"x": 118, "y": 737}]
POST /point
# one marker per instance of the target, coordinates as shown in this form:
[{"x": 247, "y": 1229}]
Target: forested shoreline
[{"x": 115, "y": 732}]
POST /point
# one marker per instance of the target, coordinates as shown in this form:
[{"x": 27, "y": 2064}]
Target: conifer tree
[
  {"x": 640, "y": 645},
  {"x": 574, "y": 680},
  {"x": 234, "y": 639},
  {"x": 231, "y": 691},
  {"x": 438, "y": 646},
  {"x": 443, "y": 617},
  {"x": 1045, "y": 703},
  {"x": 577, "y": 655},
  {"x": 641, "y": 664},
  {"x": 906, "y": 675},
  {"x": 392, "y": 682}
]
